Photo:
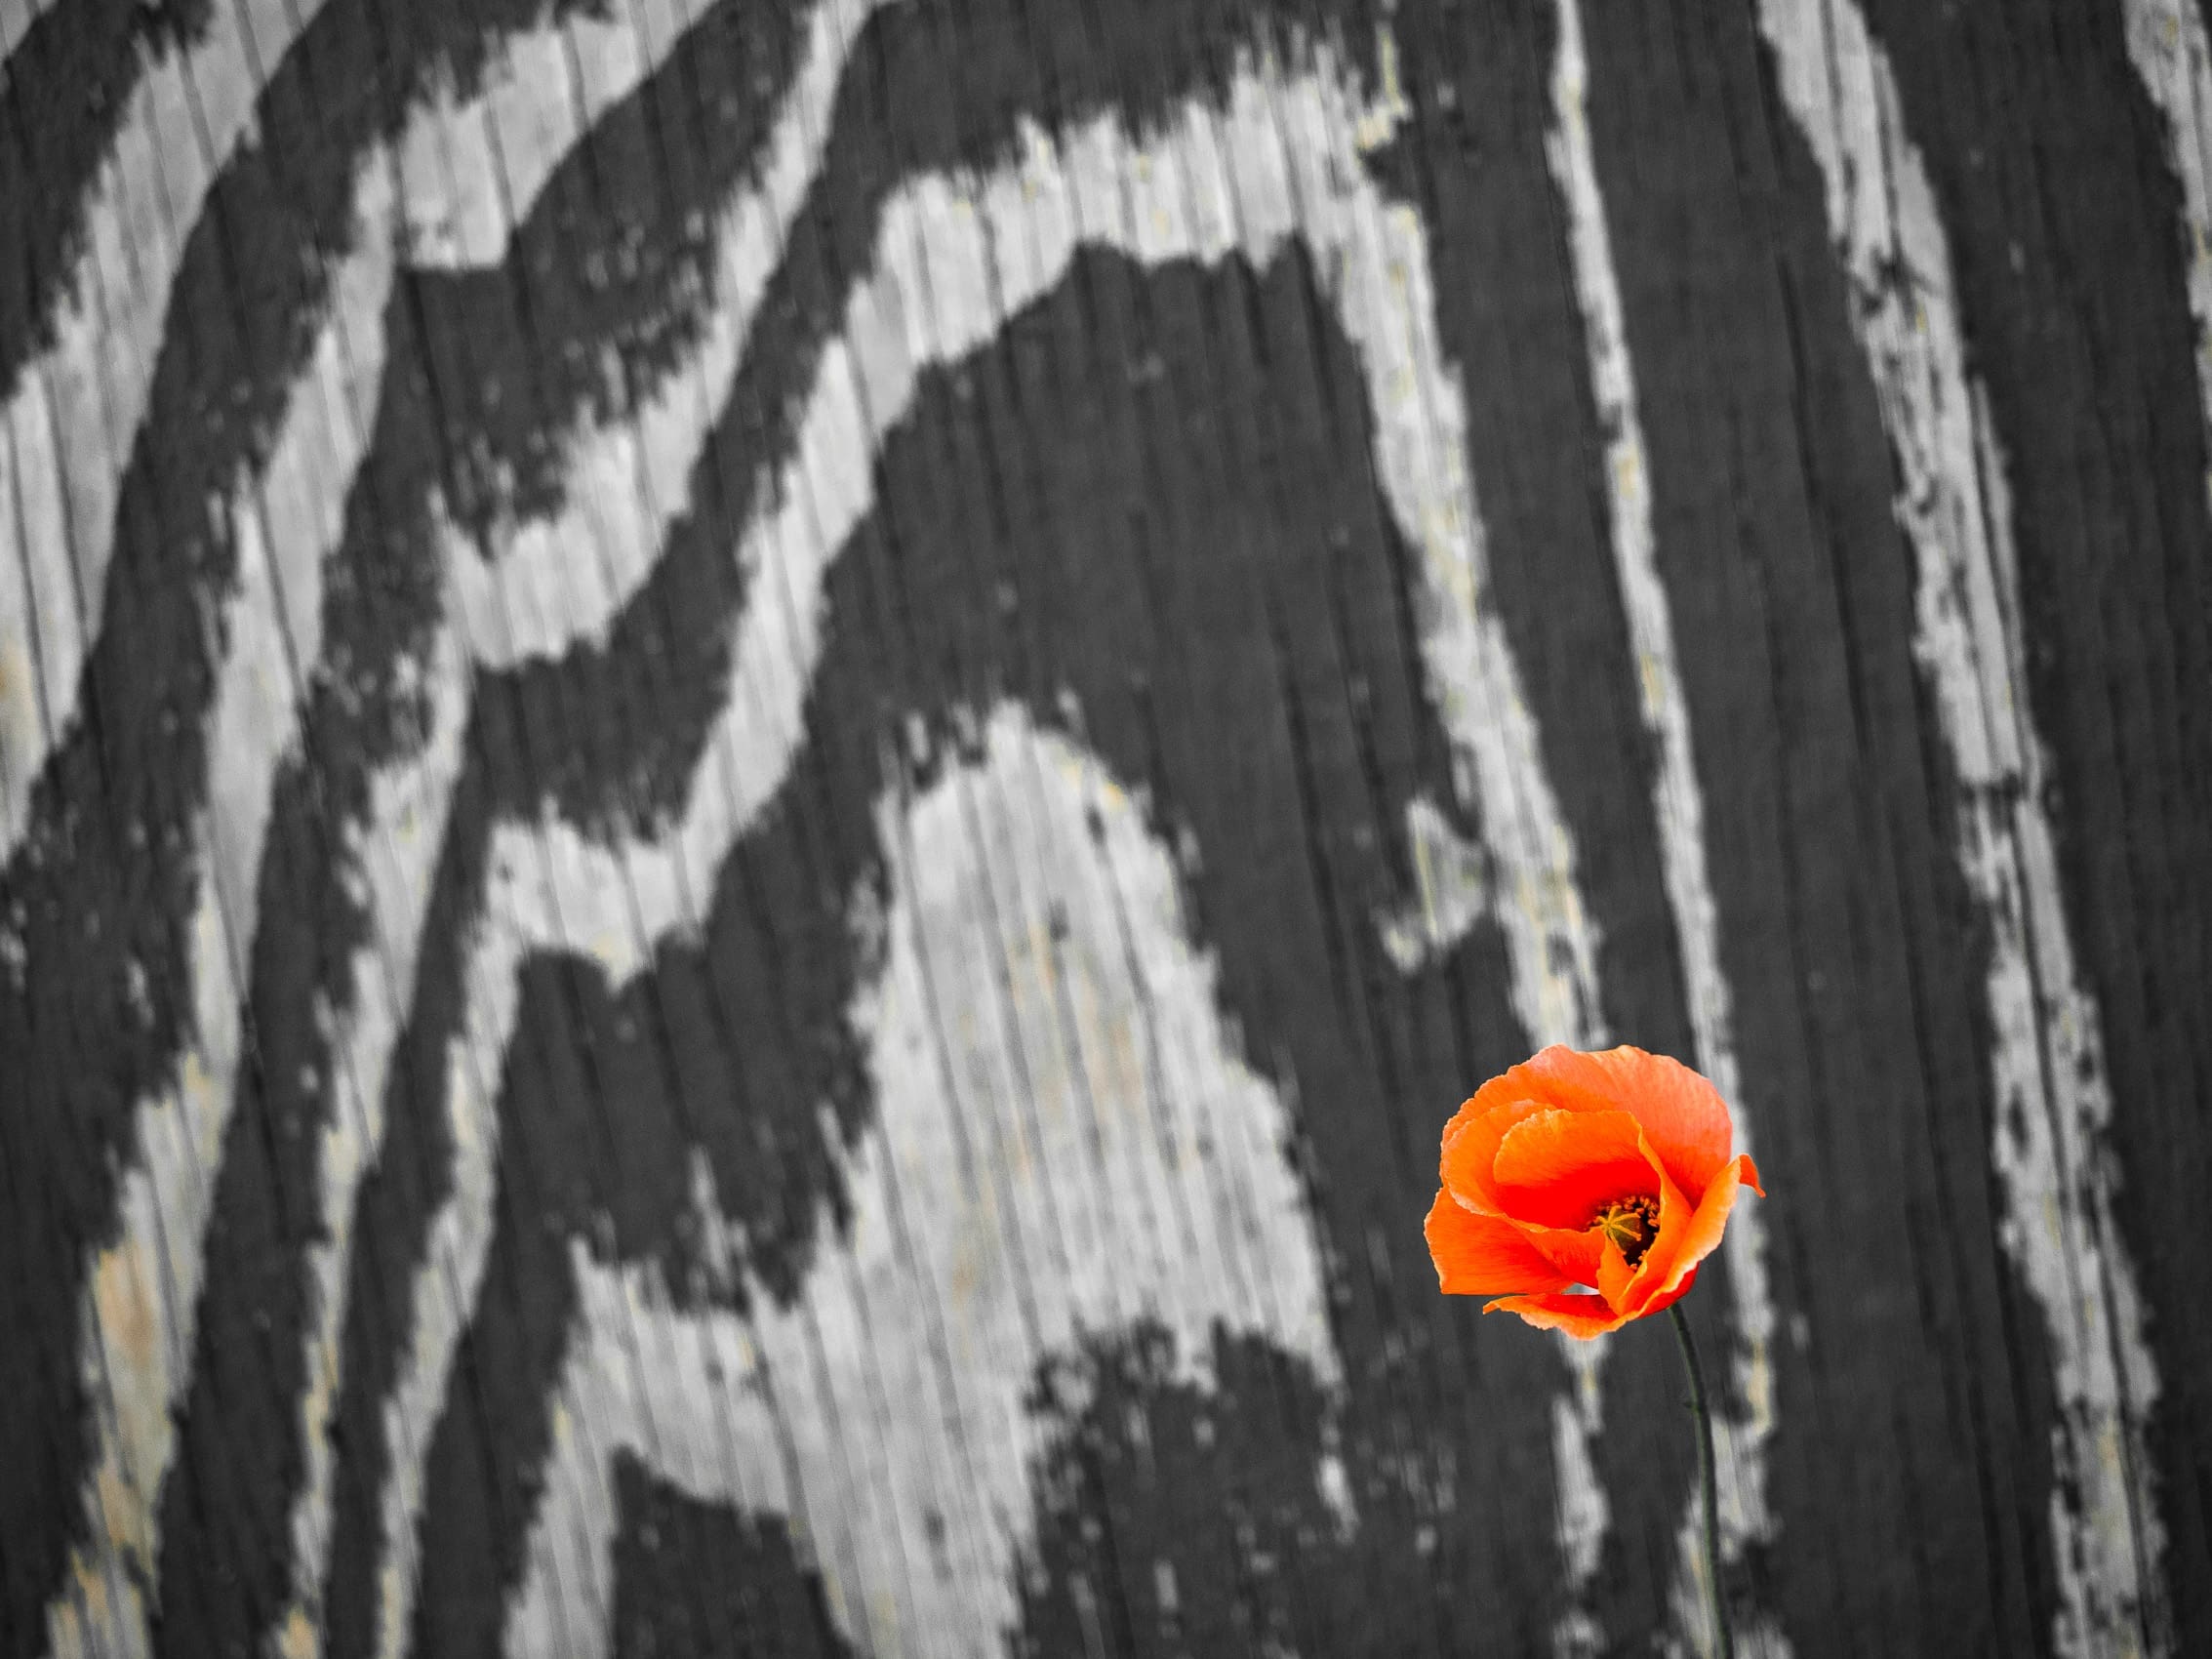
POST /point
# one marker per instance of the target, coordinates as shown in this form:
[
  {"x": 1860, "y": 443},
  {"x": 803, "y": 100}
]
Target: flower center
[{"x": 1630, "y": 1224}]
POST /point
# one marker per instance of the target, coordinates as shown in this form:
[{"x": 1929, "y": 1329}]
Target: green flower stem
[{"x": 1716, "y": 1606}]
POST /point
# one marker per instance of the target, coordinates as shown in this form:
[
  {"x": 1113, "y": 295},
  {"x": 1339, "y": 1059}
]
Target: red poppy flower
[{"x": 1582, "y": 1191}]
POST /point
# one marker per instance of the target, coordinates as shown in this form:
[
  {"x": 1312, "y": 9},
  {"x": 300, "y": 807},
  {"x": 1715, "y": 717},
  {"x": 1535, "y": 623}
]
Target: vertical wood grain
[{"x": 763, "y": 768}]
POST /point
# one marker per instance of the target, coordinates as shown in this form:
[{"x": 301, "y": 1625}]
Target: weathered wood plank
[
  {"x": 2074, "y": 289},
  {"x": 2047, "y": 1068},
  {"x": 764, "y": 768},
  {"x": 1678, "y": 810},
  {"x": 79, "y": 344}
]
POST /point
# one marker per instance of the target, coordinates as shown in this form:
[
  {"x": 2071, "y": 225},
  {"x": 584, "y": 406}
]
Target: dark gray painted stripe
[
  {"x": 1277, "y": 625},
  {"x": 492, "y": 368},
  {"x": 63, "y": 93},
  {"x": 105, "y": 877},
  {"x": 1845, "y": 930},
  {"x": 2076, "y": 316}
]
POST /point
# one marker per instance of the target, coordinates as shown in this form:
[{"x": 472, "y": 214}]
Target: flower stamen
[{"x": 1629, "y": 1224}]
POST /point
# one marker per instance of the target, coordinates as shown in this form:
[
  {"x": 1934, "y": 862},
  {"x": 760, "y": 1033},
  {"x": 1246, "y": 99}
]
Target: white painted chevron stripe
[
  {"x": 141, "y": 1296},
  {"x": 67, "y": 430},
  {"x": 1084, "y": 1149},
  {"x": 556, "y": 582},
  {"x": 142, "y": 1293},
  {"x": 1278, "y": 164},
  {"x": 2166, "y": 40}
]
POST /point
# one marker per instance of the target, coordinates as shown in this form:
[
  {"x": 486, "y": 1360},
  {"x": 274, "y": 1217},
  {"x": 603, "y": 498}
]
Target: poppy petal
[
  {"x": 1659, "y": 1303},
  {"x": 1471, "y": 1148},
  {"x": 1557, "y": 1168},
  {"x": 1582, "y": 1316},
  {"x": 1681, "y": 1115},
  {"x": 1507, "y": 1089},
  {"x": 1575, "y": 1253},
  {"x": 1685, "y": 1241},
  {"x": 1618, "y": 1281},
  {"x": 1480, "y": 1255}
]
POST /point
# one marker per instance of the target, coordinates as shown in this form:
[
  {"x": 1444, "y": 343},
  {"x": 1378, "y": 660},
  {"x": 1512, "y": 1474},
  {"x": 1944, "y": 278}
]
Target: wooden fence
[{"x": 766, "y": 764}]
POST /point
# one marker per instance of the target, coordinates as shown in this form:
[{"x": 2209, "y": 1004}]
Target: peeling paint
[
  {"x": 749, "y": 1410},
  {"x": 398, "y": 844},
  {"x": 498, "y": 146},
  {"x": 1679, "y": 809},
  {"x": 2166, "y": 40},
  {"x": 75, "y": 413},
  {"x": 1276, "y": 163},
  {"x": 1451, "y": 889},
  {"x": 2046, "y": 1056},
  {"x": 560, "y": 582},
  {"x": 275, "y": 619}
]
